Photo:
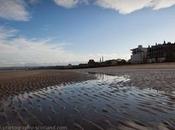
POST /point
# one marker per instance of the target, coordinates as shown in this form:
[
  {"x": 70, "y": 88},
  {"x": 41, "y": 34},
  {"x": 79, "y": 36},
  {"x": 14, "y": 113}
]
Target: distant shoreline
[{"x": 166, "y": 65}]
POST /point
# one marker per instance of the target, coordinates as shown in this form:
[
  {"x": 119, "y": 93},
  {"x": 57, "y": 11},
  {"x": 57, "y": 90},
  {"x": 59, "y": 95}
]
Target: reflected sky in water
[{"x": 104, "y": 102}]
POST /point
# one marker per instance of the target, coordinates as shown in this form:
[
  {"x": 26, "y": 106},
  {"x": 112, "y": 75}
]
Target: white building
[{"x": 138, "y": 55}]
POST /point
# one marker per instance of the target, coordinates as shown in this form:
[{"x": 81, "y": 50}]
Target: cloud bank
[
  {"x": 122, "y": 6},
  {"x": 20, "y": 51},
  {"x": 17, "y": 10},
  {"x": 129, "y": 6},
  {"x": 13, "y": 10}
]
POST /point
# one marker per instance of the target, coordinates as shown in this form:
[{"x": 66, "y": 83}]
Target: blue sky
[{"x": 51, "y": 32}]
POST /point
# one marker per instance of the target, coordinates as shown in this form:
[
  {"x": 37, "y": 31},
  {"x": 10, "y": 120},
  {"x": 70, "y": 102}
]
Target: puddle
[{"x": 104, "y": 103}]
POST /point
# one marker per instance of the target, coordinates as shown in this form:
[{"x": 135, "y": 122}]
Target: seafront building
[
  {"x": 139, "y": 55},
  {"x": 154, "y": 54},
  {"x": 161, "y": 53}
]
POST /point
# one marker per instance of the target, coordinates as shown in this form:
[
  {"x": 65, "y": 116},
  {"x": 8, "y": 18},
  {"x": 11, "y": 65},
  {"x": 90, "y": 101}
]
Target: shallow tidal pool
[{"x": 106, "y": 103}]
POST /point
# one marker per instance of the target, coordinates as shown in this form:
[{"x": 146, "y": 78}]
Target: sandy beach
[
  {"x": 136, "y": 97},
  {"x": 157, "y": 76},
  {"x": 87, "y": 64},
  {"x": 14, "y": 82}
]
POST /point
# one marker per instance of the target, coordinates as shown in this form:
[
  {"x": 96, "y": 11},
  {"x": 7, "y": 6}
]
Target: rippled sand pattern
[{"x": 106, "y": 103}]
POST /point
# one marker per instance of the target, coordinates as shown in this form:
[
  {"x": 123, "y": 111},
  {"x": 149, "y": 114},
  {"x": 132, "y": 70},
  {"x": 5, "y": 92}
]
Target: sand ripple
[{"x": 106, "y": 103}]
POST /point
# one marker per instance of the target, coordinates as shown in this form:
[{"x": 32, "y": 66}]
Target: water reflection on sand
[{"x": 106, "y": 103}]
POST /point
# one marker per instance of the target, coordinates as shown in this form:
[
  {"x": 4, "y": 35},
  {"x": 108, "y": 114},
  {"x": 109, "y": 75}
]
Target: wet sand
[
  {"x": 157, "y": 76},
  {"x": 14, "y": 82},
  {"x": 118, "y": 98}
]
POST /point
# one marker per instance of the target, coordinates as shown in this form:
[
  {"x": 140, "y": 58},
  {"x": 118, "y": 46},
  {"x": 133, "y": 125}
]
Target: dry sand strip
[{"x": 14, "y": 82}]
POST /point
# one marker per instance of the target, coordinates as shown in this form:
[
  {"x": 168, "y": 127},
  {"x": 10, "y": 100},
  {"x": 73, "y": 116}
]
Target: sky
[{"x": 61, "y": 32}]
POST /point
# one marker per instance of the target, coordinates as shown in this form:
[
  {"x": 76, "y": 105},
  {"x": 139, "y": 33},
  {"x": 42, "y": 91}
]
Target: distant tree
[
  {"x": 69, "y": 65},
  {"x": 91, "y": 62},
  {"x": 169, "y": 43},
  {"x": 123, "y": 61}
]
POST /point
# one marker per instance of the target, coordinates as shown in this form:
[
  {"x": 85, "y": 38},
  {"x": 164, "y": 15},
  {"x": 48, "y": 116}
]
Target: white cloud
[
  {"x": 122, "y": 6},
  {"x": 70, "y": 3},
  {"x": 16, "y": 9},
  {"x": 67, "y": 3},
  {"x": 17, "y": 51},
  {"x": 13, "y": 10},
  {"x": 6, "y": 32},
  {"x": 159, "y": 4},
  {"x": 128, "y": 6},
  {"x": 20, "y": 51}
]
